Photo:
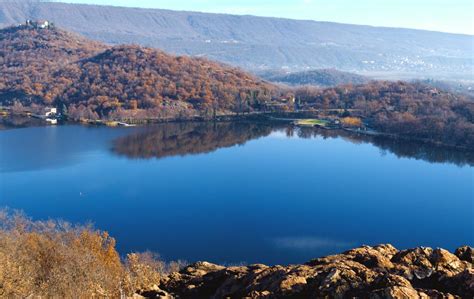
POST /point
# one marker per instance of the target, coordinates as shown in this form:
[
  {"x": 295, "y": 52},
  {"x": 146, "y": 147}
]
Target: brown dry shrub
[{"x": 60, "y": 260}]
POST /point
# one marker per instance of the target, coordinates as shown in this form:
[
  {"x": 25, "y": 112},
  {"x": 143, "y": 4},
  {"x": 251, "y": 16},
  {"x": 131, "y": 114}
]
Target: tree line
[{"x": 414, "y": 110}]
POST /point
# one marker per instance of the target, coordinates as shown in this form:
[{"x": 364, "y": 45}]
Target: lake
[{"x": 240, "y": 192}]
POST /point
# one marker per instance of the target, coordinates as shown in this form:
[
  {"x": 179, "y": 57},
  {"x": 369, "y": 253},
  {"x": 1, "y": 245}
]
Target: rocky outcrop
[{"x": 366, "y": 272}]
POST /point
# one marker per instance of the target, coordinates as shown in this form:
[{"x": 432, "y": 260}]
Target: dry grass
[{"x": 60, "y": 260}]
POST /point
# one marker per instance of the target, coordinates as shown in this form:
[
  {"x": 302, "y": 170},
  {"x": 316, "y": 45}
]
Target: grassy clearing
[{"x": 311, "y": 122}]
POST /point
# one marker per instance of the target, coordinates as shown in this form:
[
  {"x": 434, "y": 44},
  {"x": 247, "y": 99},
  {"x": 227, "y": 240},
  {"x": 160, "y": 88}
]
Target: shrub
[{"x": 57, "y": 259}]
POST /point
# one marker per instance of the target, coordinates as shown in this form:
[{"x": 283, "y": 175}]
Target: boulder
[
  {"x": 368, "y": 272},
  {"x": 465, "y": 253}
]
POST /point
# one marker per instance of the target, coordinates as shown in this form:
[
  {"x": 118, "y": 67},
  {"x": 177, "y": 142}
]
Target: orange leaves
[
  {"x": 351, "y": 122},
  {"x": 58, "y": 260}
]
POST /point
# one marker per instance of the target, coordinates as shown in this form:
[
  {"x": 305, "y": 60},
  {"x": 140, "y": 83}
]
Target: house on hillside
[
  {"x": 39, "y": 24},
  {"x": 43, "y": 24}
]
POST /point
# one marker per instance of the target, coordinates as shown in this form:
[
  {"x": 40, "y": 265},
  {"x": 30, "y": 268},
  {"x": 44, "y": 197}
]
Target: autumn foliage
[
  {"x": 411, "y": 110},
  {"x": 351, "y": 122},
  {"x": 89, "y": 80},
  {"x": 54, "y": 259},
  {"x": 53, "y": 67}
]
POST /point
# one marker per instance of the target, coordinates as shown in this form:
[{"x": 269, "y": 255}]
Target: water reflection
[
  {"x": 13, "y": 121},
  {"x": 194, "y": 138},
  {"x": 399, "y": 147},
  {"x": 278, "y": 199},
  {"x": 49, "y": 147},
  {"x": 187, "y": 138}
]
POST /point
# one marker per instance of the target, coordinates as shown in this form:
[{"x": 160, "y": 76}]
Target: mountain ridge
[{"x": 257, "y": 43}]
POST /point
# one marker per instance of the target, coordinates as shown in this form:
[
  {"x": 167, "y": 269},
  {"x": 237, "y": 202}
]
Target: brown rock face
[
  {"x": 465, "y": 253},
  {"x": 365, "y": 272}
]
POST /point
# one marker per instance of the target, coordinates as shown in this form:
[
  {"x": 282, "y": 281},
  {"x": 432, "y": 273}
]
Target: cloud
[{"x": 306, "y": 243}]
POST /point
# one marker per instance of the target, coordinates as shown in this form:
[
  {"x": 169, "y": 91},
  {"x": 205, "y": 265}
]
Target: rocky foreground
[{"x": 366, "y": 272}]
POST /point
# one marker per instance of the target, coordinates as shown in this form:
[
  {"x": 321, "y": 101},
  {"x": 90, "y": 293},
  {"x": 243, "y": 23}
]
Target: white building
[
  {"x": 43, "y": 24},
  {"x": 51, "y": 111}
]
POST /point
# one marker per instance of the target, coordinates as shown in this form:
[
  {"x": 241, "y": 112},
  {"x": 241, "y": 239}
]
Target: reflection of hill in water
[
  {"x": 11, "y": 122},
  {"x": 187, "y": 138},
  {"x": 174, "y": 139},
  {"x": 399, "y": 147}
]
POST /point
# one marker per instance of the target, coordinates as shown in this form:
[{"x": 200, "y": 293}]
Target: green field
[{"x": 311, "y": 122}]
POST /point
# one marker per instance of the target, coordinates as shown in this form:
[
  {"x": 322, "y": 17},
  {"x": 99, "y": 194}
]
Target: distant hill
[
  {"x": 257, "y": 43},
  {"x": 462, "y": 87},
  {"x": 321, "y": 78},
  {"x": 54, "y": 67}
]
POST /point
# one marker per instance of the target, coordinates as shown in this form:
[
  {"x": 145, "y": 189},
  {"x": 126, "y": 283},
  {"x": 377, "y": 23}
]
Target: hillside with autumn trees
[
  {"x": 29, "y": 59},
  {"x": 94, "y": 81},
  {"x": 89, "y": 80},
  {"x": 413, "y": 110}
]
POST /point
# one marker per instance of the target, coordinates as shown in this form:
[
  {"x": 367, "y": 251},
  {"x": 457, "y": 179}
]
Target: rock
[
  {"x": 398, "y": 293},
  {"x": 414, "y": 263},
  {"x": 377, "y": 257},
  {"x": 155, "y": 293},
  {"x": 293, "y": 284},
  {"x": 465, "y": 253},
  {"x": 446, "y": 262},
  {"x": 368, "y": 272}
]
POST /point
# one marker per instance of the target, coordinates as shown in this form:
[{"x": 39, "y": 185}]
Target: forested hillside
[
  {"x": 405, "y": 109},
  {"x": 30, "y": 57},
  {"x": 52, "y": 67}
]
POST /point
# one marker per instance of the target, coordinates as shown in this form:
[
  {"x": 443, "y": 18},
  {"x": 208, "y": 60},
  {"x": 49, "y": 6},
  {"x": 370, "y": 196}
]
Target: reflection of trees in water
[
  {"x": 399, "y": 147},
  {"x": 13, "y": 121},
  {"x": 173, "y": 139},
  {"x": 193, "y": 138}
]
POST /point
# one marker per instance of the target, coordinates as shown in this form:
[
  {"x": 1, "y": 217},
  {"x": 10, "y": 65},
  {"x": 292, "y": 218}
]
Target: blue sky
[{"x": 439, "y": 15}]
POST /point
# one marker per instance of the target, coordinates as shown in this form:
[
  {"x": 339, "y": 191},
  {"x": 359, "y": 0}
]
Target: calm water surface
[{"x": 232, "y": 193}]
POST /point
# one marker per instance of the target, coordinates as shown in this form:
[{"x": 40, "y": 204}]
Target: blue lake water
[{"x": 242, "y": 192}]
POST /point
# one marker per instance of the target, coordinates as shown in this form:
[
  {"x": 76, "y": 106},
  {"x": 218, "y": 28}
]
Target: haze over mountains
[
  {"x": 258, "y": 43},
  {"x": 321, "y": 77}
]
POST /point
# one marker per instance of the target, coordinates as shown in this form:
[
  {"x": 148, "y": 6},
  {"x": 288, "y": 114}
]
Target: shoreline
[{"x": 276, "y": 117}]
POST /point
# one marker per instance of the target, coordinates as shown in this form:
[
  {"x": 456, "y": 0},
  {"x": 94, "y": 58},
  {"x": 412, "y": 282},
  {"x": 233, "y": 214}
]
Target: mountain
[
  {"x": 54, "y": 67},
  {"x": 321, "y": 78},
  {"x": 257, "y": 43}
]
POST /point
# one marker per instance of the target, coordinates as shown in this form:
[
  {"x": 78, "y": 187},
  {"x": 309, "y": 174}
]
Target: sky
[{"x": 439, "y": 15}]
